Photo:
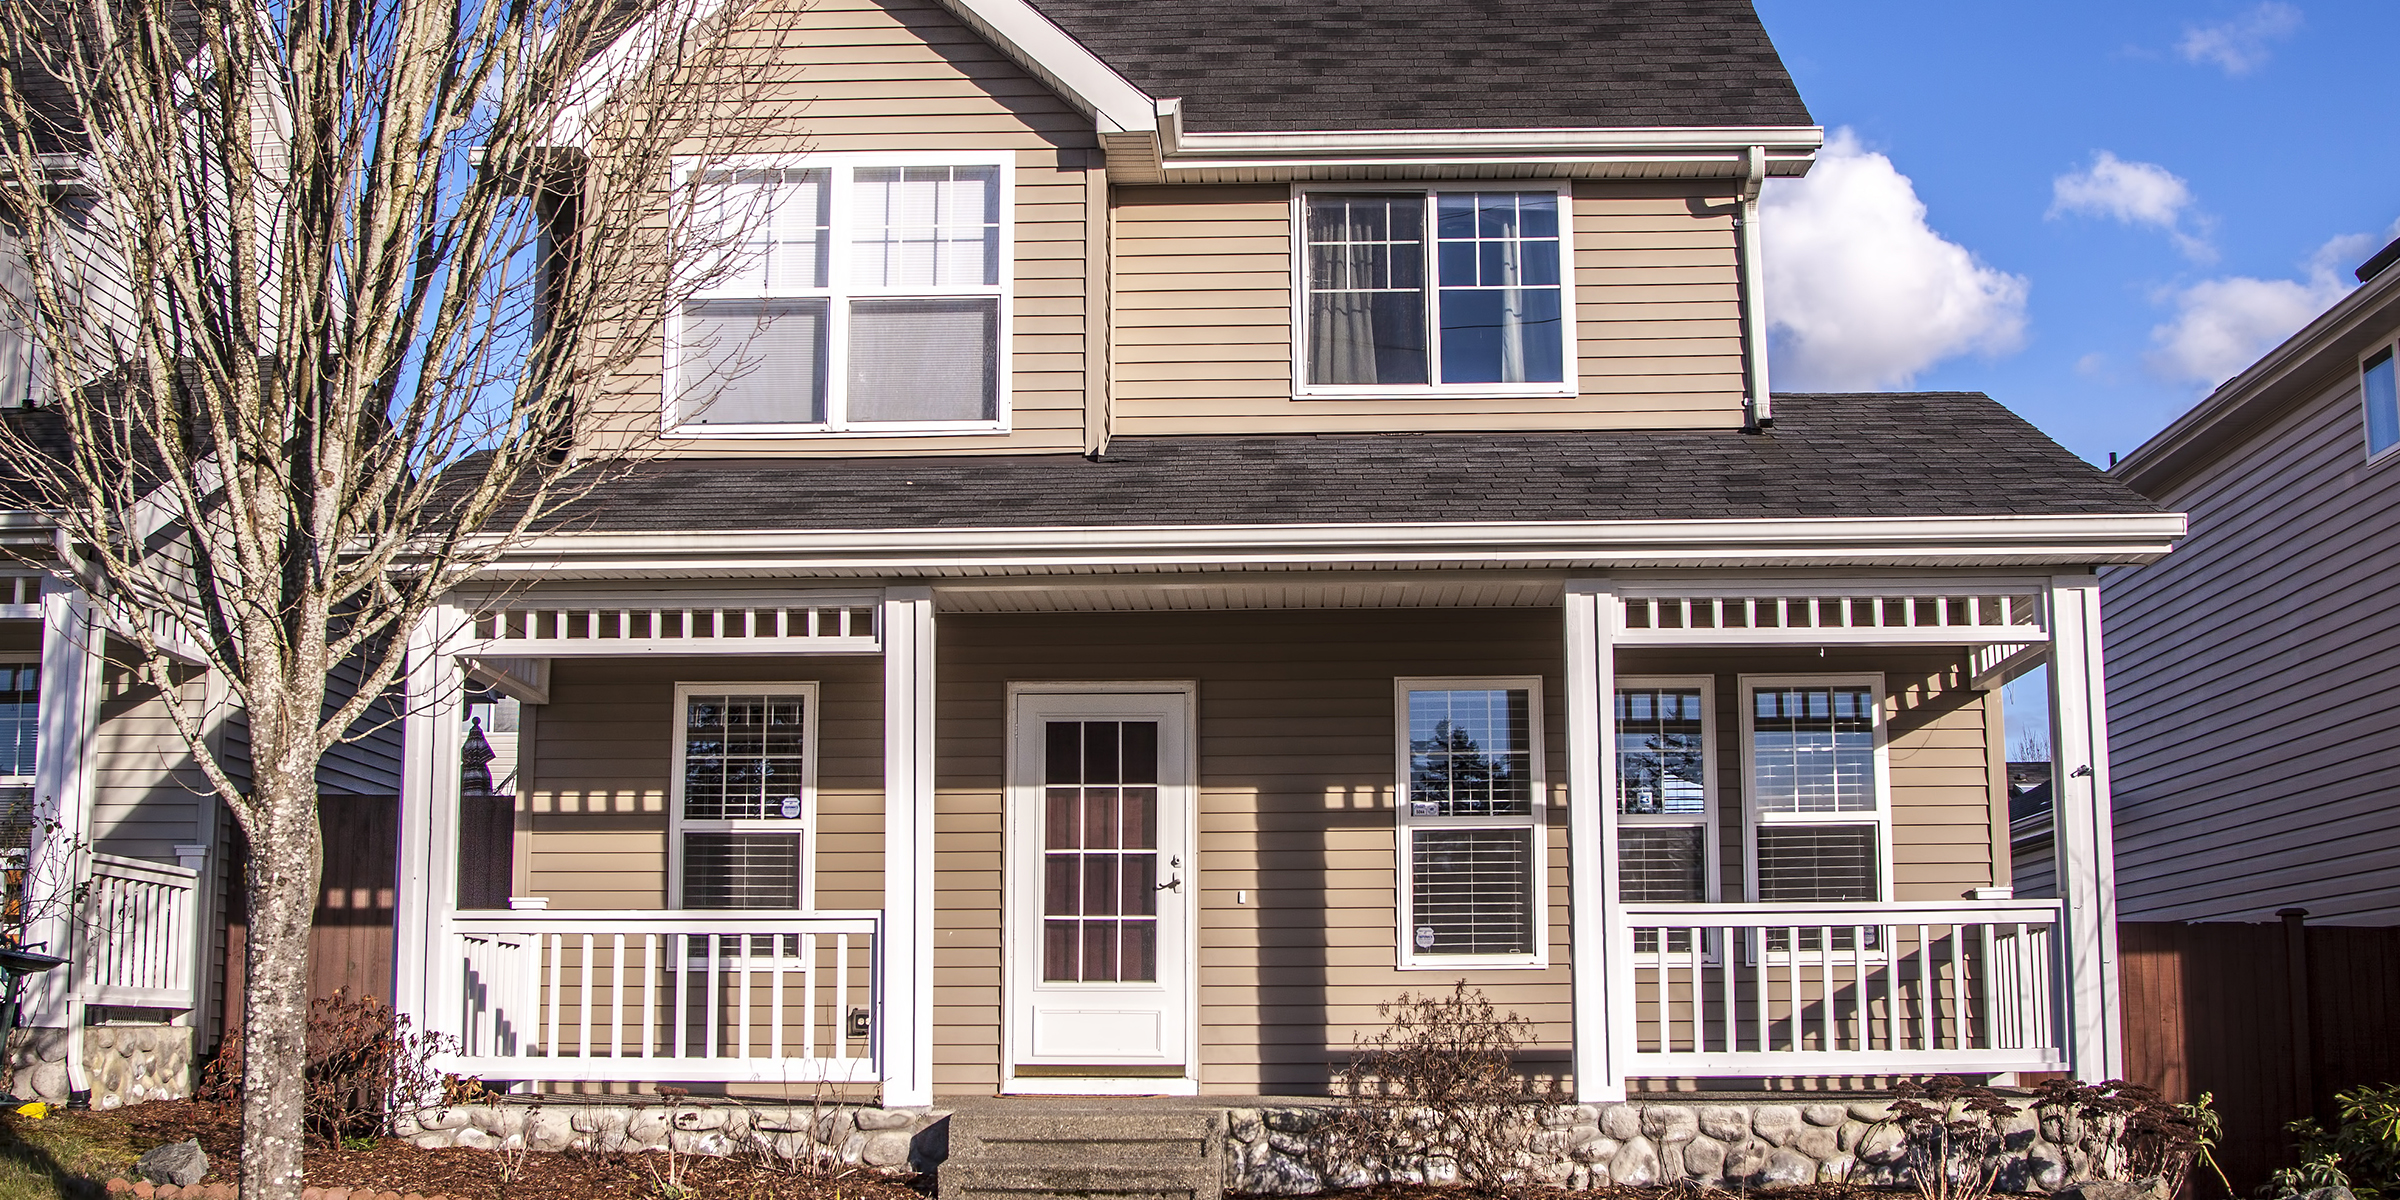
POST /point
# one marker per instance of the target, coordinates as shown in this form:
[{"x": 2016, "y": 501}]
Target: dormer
[{"x": 995, "y": 226}]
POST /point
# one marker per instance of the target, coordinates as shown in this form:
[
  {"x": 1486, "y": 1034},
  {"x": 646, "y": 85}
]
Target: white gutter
[
  {"x": 1792, "y": 146},
  {"x": 1954, "y": 540},
  {"x": 1754, "y": 293}
]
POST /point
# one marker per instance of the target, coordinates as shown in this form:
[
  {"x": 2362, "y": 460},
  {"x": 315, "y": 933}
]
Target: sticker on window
[
  {"x": 1425, "y": 808},
  {"x": 1424, "y": 937},
  {"x": 791, "y": 807}
]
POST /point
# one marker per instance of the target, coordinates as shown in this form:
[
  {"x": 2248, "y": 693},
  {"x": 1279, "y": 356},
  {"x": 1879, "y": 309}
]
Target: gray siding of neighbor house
[{"x": 2254, "y": 684}]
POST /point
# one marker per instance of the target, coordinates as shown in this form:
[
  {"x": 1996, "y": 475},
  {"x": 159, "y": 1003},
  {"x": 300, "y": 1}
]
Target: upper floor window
[
  {"x": 851, "y": 294},
  {"x": 1434, "y": 292},
  {"x": 2383, "y": 403}
]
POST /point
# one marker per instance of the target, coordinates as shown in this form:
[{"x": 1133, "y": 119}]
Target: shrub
[
  {"x": 1437, "y": 1093},
  {"x": 2139, "y": 1135},
  {"x": 364, "y": 1063},
  {"x": 2361, "y": 1153},
  {"x": 1955, "y": 1134}
]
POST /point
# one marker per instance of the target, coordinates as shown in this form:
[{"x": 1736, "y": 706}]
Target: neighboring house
[
  {"x": 2251, "y": 695},
  {"x": 2031, "y": 868},
  {"x": 1229, "y": 513}
]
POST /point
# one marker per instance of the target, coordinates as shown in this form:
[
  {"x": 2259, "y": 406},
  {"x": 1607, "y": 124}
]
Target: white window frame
[
  {"x": 1536, "y": 819},
  {"x": 811, "y": 748},
  {"x": 18, "y": 659},
  {"x": 1753, "y": 817},
  {"x": 2390, "y": 353},
  {"x": 1569, "y": 347},
  {"x": 1710, "y": 817},
  {"x": 839, "y": 292}
]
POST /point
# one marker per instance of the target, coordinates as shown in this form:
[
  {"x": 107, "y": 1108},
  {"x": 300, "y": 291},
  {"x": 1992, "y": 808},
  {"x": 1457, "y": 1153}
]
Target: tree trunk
[{"x": 285, "y": 858}]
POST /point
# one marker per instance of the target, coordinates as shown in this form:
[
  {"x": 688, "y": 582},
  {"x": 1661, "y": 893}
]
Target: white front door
[{"x": 1100, "y": 890}]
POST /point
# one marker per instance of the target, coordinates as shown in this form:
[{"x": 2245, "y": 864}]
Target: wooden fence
[{"x": 2272, "y": 1020}]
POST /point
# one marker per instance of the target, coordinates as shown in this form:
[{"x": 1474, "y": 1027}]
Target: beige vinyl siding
[
  {"x": 2252, "y": 708},
  {"x": 904, "y": 75},
  {"x": 148, "y": 796},
  {"x": 594, "y": 826},
  {"x": 1203, "y": 302}
]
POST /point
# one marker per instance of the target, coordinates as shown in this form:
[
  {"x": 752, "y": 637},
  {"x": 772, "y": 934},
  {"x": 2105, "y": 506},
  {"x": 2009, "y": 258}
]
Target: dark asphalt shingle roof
[
  {"x": 1874, "y": 455},
  {"x": 1279, "y": 65}
]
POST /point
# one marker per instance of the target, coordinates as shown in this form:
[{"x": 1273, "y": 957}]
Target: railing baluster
[
  {"x": 649, "y": 994},
  {"x": 1692, "y": 957},
  {"x": 583, "y": 1036},
  {"x": 1725, "y": 984},
  {"x": 741, "y": 1006},
  {"x": 808, "y": 995},
  {"x": 683, "y": 986},
  {"x": 1859, "y": 995},
  {"x": 841, "y": 997},
  {"x": 775, "y": 998},
  {"x": 1825, "y": 981},
  {"x": 714, "y": 1000},
  {"x": 549, "y": 945},
  {"x": 616, "y": 997},
  {"x": 1924, "y": 989}
]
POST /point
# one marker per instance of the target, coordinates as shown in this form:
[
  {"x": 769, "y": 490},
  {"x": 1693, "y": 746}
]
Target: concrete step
[{"x": 1038, "y": 1152}]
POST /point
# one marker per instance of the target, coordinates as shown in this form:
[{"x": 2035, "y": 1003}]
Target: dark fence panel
[{"x": 2272, "y": 1020}]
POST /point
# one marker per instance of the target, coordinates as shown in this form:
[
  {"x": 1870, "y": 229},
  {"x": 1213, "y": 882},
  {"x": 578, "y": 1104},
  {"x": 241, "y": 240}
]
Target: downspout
[{"x": 1759, "y": 402}]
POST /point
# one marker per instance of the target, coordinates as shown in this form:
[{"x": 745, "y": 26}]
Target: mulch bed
[{"x": 394, "y": 1165}]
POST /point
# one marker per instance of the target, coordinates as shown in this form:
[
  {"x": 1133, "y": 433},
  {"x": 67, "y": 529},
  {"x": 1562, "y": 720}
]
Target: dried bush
[
  {"x": 2137, "y": 1134},
  {"x": 1437, "y": 1095},
  {"x": 364, "y": 1066},
  {"x": 1956, "y": 1132}
]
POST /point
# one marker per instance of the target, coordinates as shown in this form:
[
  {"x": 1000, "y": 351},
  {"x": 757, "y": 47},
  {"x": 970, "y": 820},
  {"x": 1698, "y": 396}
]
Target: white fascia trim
[
  {"x": 1679, "y": 141},
  {"x": 2119, "y": 538},
  {"x": 1043, "y": 48}
]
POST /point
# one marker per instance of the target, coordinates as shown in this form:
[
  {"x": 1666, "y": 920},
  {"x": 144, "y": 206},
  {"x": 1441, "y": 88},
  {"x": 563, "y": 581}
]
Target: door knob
[{"x": 1175, "y": 884}]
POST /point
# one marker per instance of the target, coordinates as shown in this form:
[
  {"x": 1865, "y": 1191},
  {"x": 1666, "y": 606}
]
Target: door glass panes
[
  {"x": 1500, "y": 293},
  {"x": 1100, "y": 869},
  {"x": 1366, "y": 289},
  {"x": 1813, "y": 749},
  {"x": 1470, "y": 753},
  {"x": 1659, "y": 764},
  {"x": 20, "y": 701}
]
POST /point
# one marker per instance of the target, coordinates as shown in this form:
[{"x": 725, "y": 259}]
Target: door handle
[{"x": 1174, "y": 885}]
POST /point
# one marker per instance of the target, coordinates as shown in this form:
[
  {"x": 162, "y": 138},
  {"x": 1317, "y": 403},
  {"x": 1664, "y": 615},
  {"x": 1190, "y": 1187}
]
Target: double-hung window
[
  {"x": 1820, "y": 802},
  {"x": 744, "y": 805},
  {"x": 1470, "y": 823},
  {"x": 1666, "y": 793},
  {"x": 1440, "y": 292},
  {"x": 21, "y": 382},
  {"x": 2381, "y": 393},
  {"x": 845, "y": 294}
]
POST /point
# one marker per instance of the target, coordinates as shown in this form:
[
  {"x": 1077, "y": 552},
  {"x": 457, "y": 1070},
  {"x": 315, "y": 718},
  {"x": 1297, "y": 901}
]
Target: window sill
[
  {"x": 1477, "y": 962},
  {"x": 820, "y": 432},
  {"x": 1544, "y": 392}
]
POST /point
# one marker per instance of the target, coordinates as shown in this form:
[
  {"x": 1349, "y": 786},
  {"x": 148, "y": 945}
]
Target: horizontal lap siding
[
  {"x": 2252, "y": 702},
  {"x": 903, "y": 75},
  {"x": 1203, "y": 307},
  {"x": 148, "y": 794},
  {"x": 596, "y": 787}
]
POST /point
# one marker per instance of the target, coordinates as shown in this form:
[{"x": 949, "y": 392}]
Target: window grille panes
[
  {"x": 893, "y": 378},
  {"x": 783, "y": 220},
  {"x": 921, "y": 227},
  {"x": 743, "y": 758},
  {"x": 1813, "y": 749},
  {"x": 752, "y": 362},
  {"x": 1366, "y": 289},
  {"x": 1835, "y": 863},
  {"x": 1660, "y": 764},
  {"x": 2383, "y": 404},
  {"x": 741, "y": 870},
  {"x": 1100, "y": 851},
  {"x": 1500, "y": 293},
  {"x": 20, "y": 705},
  {"x": 1470, "y": 753},
  {"x": 1471, "y": 891}
]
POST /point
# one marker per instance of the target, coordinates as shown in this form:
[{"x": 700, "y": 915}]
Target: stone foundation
[
  {"x": 1699, "y": 1143},
  {"x": 905, "y": 1139},
  {"x": 125, "y": 1064}
]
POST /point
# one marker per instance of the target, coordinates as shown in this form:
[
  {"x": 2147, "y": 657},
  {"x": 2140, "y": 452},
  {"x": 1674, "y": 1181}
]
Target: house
[
  {"x": 1202, "y": 517},
  {"x": 2250, "y": 695}
]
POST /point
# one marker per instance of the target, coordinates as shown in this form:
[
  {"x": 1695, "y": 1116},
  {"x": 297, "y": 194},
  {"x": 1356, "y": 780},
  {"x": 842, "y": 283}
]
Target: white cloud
[
  {"x": 2222, "y": 325},
  {"x": 1861, "y": 292},
  {"x": 2136, "y": 193},
  {"x": 2239, "y": 46}
]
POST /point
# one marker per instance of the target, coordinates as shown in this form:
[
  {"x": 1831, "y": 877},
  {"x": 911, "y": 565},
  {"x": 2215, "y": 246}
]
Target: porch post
[
  {"x": 67, "y": 713},
  {"x": 423, "y": 986},
  {"x": 904, "y": 1029},
  {"x": 2081, "y": 825},
  {"x": 1602, "y": 1029}
]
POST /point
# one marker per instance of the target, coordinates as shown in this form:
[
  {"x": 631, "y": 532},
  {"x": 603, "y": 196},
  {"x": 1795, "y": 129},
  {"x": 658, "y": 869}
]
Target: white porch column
[
  {"x": 67, "y": 717},
  {"x": 904, "y": 1029},
  {"x": 2081, "y": 825},
  {"x": 1602, "y": 1030},
  {"x": 424, "y": 979}
]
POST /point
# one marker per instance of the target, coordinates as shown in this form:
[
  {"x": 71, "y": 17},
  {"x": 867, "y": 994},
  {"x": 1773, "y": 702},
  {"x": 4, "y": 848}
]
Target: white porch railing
[
  {"x": 649, "y": 996},
  {"x": 1851, "y": 989},
  {"x": 136, "y": 934}
]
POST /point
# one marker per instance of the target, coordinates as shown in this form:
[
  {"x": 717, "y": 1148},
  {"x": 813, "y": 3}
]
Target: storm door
[{"x": 1099, "y": 889}]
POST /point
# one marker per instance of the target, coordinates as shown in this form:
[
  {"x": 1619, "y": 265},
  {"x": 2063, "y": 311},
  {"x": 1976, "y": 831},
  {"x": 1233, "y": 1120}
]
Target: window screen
[
  {"x": 753, "y": 362},
  {"x": 1472, "y": 891},
  {"x": 741, "y": 870},
  {"x": 1817, "y": 863},
  {"x": 1662, "y": 864},
  {"x": 893, "y": 377}
]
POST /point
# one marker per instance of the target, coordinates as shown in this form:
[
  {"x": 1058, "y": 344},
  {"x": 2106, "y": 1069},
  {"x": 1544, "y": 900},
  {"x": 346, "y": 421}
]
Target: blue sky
[{"x": 2242, "y": 139}]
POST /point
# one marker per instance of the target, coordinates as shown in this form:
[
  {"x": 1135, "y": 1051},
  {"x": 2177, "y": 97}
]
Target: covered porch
[{"x": 1911, "y": 970}]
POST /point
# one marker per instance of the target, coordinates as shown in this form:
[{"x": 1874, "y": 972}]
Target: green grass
[{"x": 67, "y": 1156}]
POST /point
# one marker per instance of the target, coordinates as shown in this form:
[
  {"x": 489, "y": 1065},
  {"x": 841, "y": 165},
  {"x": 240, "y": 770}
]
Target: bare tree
[{"x": 323, "y": 289}]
